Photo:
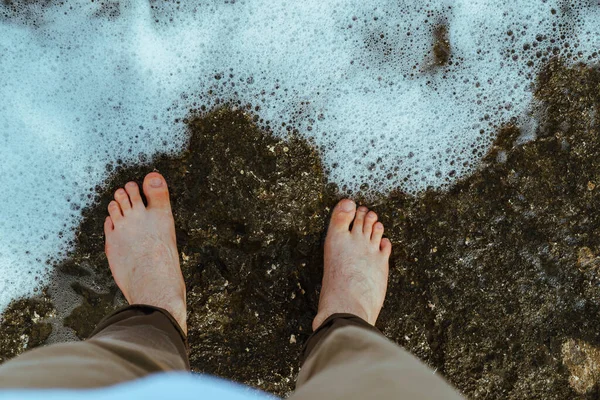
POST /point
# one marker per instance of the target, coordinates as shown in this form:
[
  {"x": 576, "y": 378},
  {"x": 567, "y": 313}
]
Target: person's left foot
[{"x": 142, "y": 250}]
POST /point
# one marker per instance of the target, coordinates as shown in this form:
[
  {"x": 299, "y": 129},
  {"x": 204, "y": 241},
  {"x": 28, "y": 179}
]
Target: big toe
[
  {"x": 342, "y": 216},
  {"x": 156, "y": 191}
]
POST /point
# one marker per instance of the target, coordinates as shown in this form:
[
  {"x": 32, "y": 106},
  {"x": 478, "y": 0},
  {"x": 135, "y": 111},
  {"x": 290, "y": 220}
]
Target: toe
[
  {"x": 114, "y": 211},
  {"x": 108, "y": 225},
  {"x": 134, "y": 195},
  {"x": 122, "y": 198},
  {"x": 377, "y": 233},
  {"x": 156, "y": 191},
  {"x": 370, "y": 220},
  {"x": 386, "y": 247},
  {"x": 342, "y": 216},
  {"x": 359, "y": 221}
]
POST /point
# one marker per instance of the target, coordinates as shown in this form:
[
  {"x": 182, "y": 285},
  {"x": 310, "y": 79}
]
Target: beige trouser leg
[
  {"x": 346, "y": 360},
  {"x": 356, "y": 363},
  {"x": 129, "y": 344}
]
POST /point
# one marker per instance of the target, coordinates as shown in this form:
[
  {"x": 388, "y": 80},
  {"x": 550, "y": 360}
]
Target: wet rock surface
[
  {"x": 493, "y": 283},
  {"x": 250, "y": 212},
  {"x": 583, "y": 362},
  {"x": 22, "y": 326}
]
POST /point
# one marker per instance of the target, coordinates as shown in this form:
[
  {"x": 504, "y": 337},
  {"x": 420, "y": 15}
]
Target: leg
[
  {"x": 147, "y": 337},
  {"x": 347, "y": 357}
]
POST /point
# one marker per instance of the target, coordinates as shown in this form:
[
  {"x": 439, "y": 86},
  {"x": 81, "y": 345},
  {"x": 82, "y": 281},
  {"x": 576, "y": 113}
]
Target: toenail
[
  {"x": 130, "y": 184},
  {"x": 347, "y": 206},
  {"x": 120, "y": 192},
  {"x": 156, "y": 182}
]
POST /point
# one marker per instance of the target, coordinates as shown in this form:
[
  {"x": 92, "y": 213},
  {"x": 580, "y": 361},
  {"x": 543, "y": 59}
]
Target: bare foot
[
  {"x": 356, "y": 265},
  {"x": 142, "y": 250}
]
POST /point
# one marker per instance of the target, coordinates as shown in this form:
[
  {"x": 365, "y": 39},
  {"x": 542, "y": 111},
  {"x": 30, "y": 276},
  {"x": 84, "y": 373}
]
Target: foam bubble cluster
[{"x": 396, "y": 94}]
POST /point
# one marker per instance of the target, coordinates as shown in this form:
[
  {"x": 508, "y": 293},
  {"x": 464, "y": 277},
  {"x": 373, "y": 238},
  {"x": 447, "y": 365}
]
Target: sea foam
[{"x": 88, "y": 83}]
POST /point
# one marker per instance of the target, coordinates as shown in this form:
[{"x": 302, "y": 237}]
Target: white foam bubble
[{"x": 88, "y": 84}]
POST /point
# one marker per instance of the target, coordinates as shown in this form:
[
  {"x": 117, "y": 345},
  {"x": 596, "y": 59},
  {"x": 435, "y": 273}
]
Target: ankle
[
  {"x": 325, "y": 313},
  {"x": 179, "y": 313},
  {"x": 176, "y": 307}
]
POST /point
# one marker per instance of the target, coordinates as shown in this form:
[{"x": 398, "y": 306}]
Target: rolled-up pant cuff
[
  {"x": 157, "y": 317},
  {"x": 131, "y": 343},
  {"x": 348, "y": 359},
  {"x": 335, "y": 321}
]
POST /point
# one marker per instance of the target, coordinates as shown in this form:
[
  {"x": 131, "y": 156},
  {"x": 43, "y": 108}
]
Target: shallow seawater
[
  {"x": 471, "y": 128},
  {"x": 395, "y": 94}
]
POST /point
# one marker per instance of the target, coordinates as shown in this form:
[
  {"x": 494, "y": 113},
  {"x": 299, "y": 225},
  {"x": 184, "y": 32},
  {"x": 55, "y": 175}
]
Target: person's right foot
[{"x": 356, "y": 265}]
